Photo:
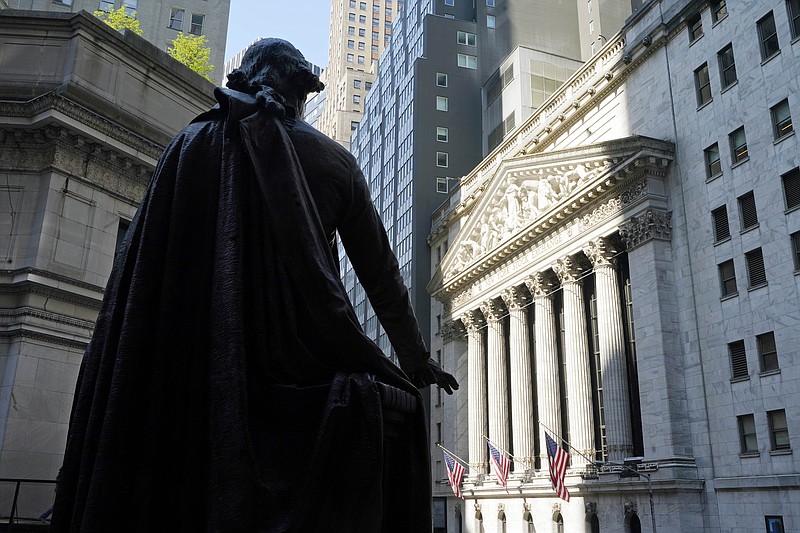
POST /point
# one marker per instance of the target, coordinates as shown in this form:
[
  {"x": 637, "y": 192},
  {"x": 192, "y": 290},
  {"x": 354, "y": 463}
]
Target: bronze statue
[{"x": 229, "y": 386}]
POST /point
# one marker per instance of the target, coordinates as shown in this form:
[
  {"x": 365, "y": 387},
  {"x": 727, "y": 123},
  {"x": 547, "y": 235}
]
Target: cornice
[
  {"x": 38, "y": 314},
  {"x": 44, "y": 337}
]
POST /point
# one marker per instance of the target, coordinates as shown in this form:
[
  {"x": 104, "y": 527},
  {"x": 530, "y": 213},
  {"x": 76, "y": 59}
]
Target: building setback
[
  {"x": 85, "y": 113},
  {"x": 620, "y": 272},
  {"x": 160, "y": 21}
]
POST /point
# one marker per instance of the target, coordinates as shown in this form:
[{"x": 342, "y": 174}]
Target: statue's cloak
[{"x": 228, "y": 385}]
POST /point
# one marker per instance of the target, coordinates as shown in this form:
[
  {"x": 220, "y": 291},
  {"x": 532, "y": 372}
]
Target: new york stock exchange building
[{"x": 621, "y": 273}]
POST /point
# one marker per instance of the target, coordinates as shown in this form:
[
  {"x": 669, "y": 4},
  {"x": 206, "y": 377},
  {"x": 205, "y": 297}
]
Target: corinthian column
[
  {"x": 517, "y": 299},
  {"x": 611, "y": 337},
  {"x": 548, "y": 389},
  {"x": 576, "y": 351},
  {"x": 494, "y": 311},
  {"x": 476, "y": 398}
]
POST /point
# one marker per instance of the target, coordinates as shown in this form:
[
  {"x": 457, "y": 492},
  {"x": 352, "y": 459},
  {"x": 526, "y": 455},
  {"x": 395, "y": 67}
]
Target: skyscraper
[{"x": 360, "y": 30}]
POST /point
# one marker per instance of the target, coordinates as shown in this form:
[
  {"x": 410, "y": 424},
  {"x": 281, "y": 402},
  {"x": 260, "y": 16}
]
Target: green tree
[
  {"x": 120, "y": 20},
  {"x": 192, "y": 52}
]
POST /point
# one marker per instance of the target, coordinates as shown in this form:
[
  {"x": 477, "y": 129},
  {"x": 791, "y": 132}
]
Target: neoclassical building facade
[{"x": 585, "y": 286}]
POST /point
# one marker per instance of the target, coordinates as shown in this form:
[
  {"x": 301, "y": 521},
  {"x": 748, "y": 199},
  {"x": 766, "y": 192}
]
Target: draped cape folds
[{"x": 228, "y": 385}]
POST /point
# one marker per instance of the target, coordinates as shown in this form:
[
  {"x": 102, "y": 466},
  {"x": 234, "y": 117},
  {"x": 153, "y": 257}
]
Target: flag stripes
[{"x": 558, "y": 459}]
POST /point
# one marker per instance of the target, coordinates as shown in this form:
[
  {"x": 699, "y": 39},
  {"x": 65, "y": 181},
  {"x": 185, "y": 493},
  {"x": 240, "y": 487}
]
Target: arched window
[
  {"x": 527, "y": 519},
  {"x": 634, "y": 526},
  {"x": 594, "y": 524},
  {"x": 558, "y": 524}
]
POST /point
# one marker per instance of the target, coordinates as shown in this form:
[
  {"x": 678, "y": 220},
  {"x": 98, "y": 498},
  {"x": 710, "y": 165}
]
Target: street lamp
[{"x": 630, "y": 469}]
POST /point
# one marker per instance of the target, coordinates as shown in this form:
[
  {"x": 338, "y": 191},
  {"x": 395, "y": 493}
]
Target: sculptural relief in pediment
[{"x": 521, "y": 197}]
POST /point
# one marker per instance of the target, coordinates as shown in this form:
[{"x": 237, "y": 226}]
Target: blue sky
[{"x": 302, "y": 22}]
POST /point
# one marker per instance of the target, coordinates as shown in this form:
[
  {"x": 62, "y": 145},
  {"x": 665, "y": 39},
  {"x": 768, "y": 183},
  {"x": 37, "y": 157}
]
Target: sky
[{"x": 304, "y": 23}]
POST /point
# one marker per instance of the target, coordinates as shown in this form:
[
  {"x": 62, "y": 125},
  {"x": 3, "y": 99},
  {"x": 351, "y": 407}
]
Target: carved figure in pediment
[
  {"x": 513, "y": 201},
  {"x": 467, "y": 252},
  {"x": 530, "y": 202}
]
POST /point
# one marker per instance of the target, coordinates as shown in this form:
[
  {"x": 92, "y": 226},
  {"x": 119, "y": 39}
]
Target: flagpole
[
  {"x": 570, "y": 446},
  {"x": 498, "y": 447},
  {"x": 454, "y": 456}
]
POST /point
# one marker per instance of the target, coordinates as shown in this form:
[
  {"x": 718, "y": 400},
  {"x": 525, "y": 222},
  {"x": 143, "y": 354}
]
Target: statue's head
[{"x": 278, "y": 64}]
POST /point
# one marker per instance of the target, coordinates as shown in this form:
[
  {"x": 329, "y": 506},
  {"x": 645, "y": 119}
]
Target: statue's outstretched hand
[{"x": 432, "y": 374}]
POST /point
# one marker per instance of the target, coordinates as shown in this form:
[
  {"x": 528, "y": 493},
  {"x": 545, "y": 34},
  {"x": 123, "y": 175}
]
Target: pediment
[{"x": 540, "y": 191}]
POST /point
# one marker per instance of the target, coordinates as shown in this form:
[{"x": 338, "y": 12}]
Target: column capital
[
  {"x": 567, "y": 270},
  {"x": 452, "y": 330},
  {"x": 493, "y": 309},
  {"x": 539, "y": 284},
  {"x": 472, "y": 320},
  {"x": 515, "y": 297},
  {"x": 648, "y": 225},
  {"x": 601, "y": 252}
]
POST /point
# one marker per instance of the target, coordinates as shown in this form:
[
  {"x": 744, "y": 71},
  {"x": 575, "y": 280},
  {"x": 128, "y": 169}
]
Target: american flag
[
  {"x": 501, "y": 463},
  {"x": 455, "y": 471},
  {"x": 558, "y": 459}
]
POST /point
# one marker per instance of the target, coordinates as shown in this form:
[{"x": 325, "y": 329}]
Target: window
[
  {"x": 362, "y": 19},
  {"x": 778, "y": 430},
  {"x": 122, "y": 231},
  {"x": 362, "y": 32},
  {"x": 376, "y": 9},
  {"x": 767, "y": 353},
  {"x": 721, "y": 228},
  {"x": 442, "y": 134},
  {"x": 360, "y": 60},
  {"x": 591, "y": 27},
  {"x": 727, "y": 66},
  {"x": 351, "y": 43},
  {"x": 756, "y": 274},
  {"x": 351, "y": 17},
  {"x": 774, "y": 524},
  {"x": 374, "y": 49},
  {"x": 353, "y": 4},
  {"x": 738, "y": 360},
  {"x": 441, "y": 103},
  {"x": 176, "y": 19},
  {"x": 356, "y": 98},
  {"x": 441, "y": 79},
  {"x": 442, "y": 185},
  {"x": 490, "y": 21},
  {"x": 197, "y": 24},
  {"x": 356, "y": 84},
  {"x": 793, "y": 7},
  {"x": 130, "y": 6},
  {"x": 368, "y": 85},
  {"x": 727, "y": 278},
  {"x": 375, "y": 36},
  {"x": 791, "y": 188},
  {"x": 442, "y": 159},
  {"x": 449, "y": 2},
  {"x": 738, "y": 145},
  {"x": 748, "y": 215},
  {"x": 465, "y": 38},
  {"x": 781, "y": 120},
  {"x": 350, "y": 58},
  {"x": 351, "y": 30},
  {"x": 362, "y": 6},
  {"x": 795, "y": 237},
  {"x": 467, "y": 61},
  {"x": 702, "y": 83},
  {"x": 713, "y": 166},
  {"x": 361, "y": 45},
  {"x": 695, "y": 28},
  {"x": 719, "y": 10},
  {"x": 747, "y": 433},
  {"x": 353, "y": 125},
  {"x": 106, "y": 5},
  {"x": 489, "y": 3},
  {"x": 768, "y": 36}
]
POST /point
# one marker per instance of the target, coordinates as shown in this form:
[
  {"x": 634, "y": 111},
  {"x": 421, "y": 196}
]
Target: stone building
[
  {"x": 160, "y": 21},
  {"x": 85, "y": 113},
  {"x": 621, "y": 272}
]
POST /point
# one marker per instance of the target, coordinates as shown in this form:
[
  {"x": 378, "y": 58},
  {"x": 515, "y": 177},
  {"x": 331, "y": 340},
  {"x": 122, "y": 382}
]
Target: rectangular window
[
  {"x": 727, "y": 278},
  {"x": 441, "y": 79},
  {"x": 767, "y": 353},
  {"x": 738, "y": 359},
  {"x": 768, "y": 36},
  {"x": 442, "y": 159},
  {"x": 350, "y": 58},
  {"x": 176, "y": 19},
  {"x": 353, "y": 4},
  {"x": 122, "y": 231},
  {"x": 774, "y": 524},
  {"x": 356, "y": 98},
  {"x": 793, "y": 7},
  {"x": 351, "y": 43},
  {"x": 695, "y": 26},
  {"x": 130, "y": 6},
  {"x": 362, "y": 32},
  {"x": 356, "y": 84},
  {"x": 791, "y": 188},
  {"x": 467, "y": 61},
  {"x": 721, "y": 228},
  {"x": 778, "y": 430},
  {"x": 360, "y": 60},
  {"x": 368, "y": 85},
  {"x": 106, "y": 5},
  {"x": 374, "y": 49},
  {"x": 747, "y": 433},
  {"x": 197, "y": 24},
  {"x": 781, "y": 120},
  {"x": 795, "y": 237},
  {"x": 375, "y": 36},
  {"x": 362, "y": 6},
  {"x": 353, "y": 125},
  {"x": 441, "y": 103},
  {"x": 351, "y": 17},
  {"x": 491, "y": 22},
  {"x": 738, "y": 145},
  {"x": 442, "y": 134},
  {"x": 713, "y": 165},
  {"x": 748, "y": 215},
  {"x": 362, "y": 19},
  {"x": 351, "y": 30},
  {"x": 702, "y": 83},
  {"x": 376, "y": 9},
  {"x": 719, "y": 10},
  {"x": 465, "y": 38},
  {"x": 442, "y": 185},
  {"x": 361, "y": 45},
  {"x": 591, "y": 27},
  {"x": 449, "y": 2},
  {"x": 489, "y": 3},
  {"x": 756, "y": 274},
  {"x": 727, "y": 66}
]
